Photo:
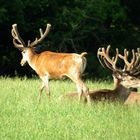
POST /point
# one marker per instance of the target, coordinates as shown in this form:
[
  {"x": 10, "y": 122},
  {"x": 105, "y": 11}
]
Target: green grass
[{"x": 23, "y": 118}]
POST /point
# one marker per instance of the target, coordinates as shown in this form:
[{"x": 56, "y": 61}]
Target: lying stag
[
  {"x": 50, "y": 64},
  {"x": 123, "y": 78}
]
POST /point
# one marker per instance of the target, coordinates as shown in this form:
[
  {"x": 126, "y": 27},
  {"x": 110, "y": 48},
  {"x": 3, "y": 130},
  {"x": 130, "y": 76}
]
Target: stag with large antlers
[
  {"x": 124, "y": 78},
  {"x": 50, "y": 64}
]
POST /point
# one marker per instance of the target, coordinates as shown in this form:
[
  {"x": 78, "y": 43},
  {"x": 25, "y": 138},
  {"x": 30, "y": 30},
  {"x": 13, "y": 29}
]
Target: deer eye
[{"x": 23, "y": 52}]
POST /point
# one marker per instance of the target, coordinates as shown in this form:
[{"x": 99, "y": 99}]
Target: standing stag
[
  {"x": 124, "y": 78},
  {"x": 50, "y": 64}
]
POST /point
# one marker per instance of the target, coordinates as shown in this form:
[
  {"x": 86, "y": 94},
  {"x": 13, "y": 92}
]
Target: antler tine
[
  {"x": 103, "y": 53},
  {"x": 100, "y": 55},
  {"x": 128, "y": 65},
  {"x": 115, "y": 59},
  {"x": 132, "y": 67},
  {"x": 42, "y": 36},
  {"x": 133, "y": 57},
  {"x": 136, "y": 65},
  {"x": 106, "y": 61},
  {"x": 113, "y": 63},
  {"x": 138, "y": 50},
  {"x": 108, "y": 65},
  {"x": 14, "y": 40},
  {"x": 41, "y": 32},
  {"x": 16, "y": 37},
  {"x": 18, "y": 46}
]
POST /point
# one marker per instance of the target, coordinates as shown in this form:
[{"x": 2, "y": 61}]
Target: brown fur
[
  {"x": 95, "y": 95},
  {"x": 130, "y": 98},
  {"x": 133, "y": 98},
  {"x": 55, "y": 64},
  {"x": 119, "y": 94}
]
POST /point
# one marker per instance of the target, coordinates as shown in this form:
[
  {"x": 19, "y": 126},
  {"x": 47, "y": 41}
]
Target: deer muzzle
[{"x": 23, "y": 62}]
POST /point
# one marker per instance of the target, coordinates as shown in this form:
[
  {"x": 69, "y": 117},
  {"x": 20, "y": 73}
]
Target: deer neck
[
  {"x": 116, "y": 82},
  {"x": 122, "y": 92},
  {"x": 31, "y": 58}
]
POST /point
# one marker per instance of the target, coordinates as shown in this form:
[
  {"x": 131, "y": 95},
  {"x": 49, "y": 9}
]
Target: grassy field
[{"x": 23, "y": 118}]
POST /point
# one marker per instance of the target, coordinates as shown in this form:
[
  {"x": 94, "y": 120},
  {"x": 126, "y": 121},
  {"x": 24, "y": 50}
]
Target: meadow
[{"x": 23, "y": 118}]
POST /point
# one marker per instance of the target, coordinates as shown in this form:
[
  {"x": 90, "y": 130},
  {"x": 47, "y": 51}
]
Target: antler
[
  {"x": 132, "y": 67},
  {"x": 42, "y": 36},
  {"x": 106, "y": 61},
  {"x": 17, "y": 40}
]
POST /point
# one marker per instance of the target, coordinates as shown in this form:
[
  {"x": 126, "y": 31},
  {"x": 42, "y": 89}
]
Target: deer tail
[{"x": 83, "y": 54}]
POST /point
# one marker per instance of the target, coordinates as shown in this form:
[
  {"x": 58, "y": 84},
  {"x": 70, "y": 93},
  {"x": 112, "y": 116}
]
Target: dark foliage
[{"x": 76, "y": 26}]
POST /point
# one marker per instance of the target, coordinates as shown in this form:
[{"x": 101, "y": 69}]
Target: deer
[
  {"x": 124, "y": 78},
  {"x": 51, "y": 65}
]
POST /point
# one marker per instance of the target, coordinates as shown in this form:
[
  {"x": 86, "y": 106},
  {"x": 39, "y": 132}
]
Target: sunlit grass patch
[{"x": 22, "y": 117}]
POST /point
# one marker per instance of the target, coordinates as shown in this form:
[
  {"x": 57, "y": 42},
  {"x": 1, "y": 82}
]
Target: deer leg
[
  {"x": 45, "y": 80},
  {"x": 79, "y": 89},
  {"x": 86, "y": 93},
  {"x": 40, "y": 91},
  {"x": 82, "y": 89},
  {"x": 47, "y": 87},
  {"x": 78, "y": 83}
]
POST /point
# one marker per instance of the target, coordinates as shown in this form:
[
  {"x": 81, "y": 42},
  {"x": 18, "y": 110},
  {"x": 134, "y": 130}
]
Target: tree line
[{"x": 77, "y": 26}]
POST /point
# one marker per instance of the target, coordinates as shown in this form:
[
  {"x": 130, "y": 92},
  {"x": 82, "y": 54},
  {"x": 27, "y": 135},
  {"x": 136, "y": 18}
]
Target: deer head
[
  {"x": 20, "y": 44},
  {"x": 125, "y": 76}
]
